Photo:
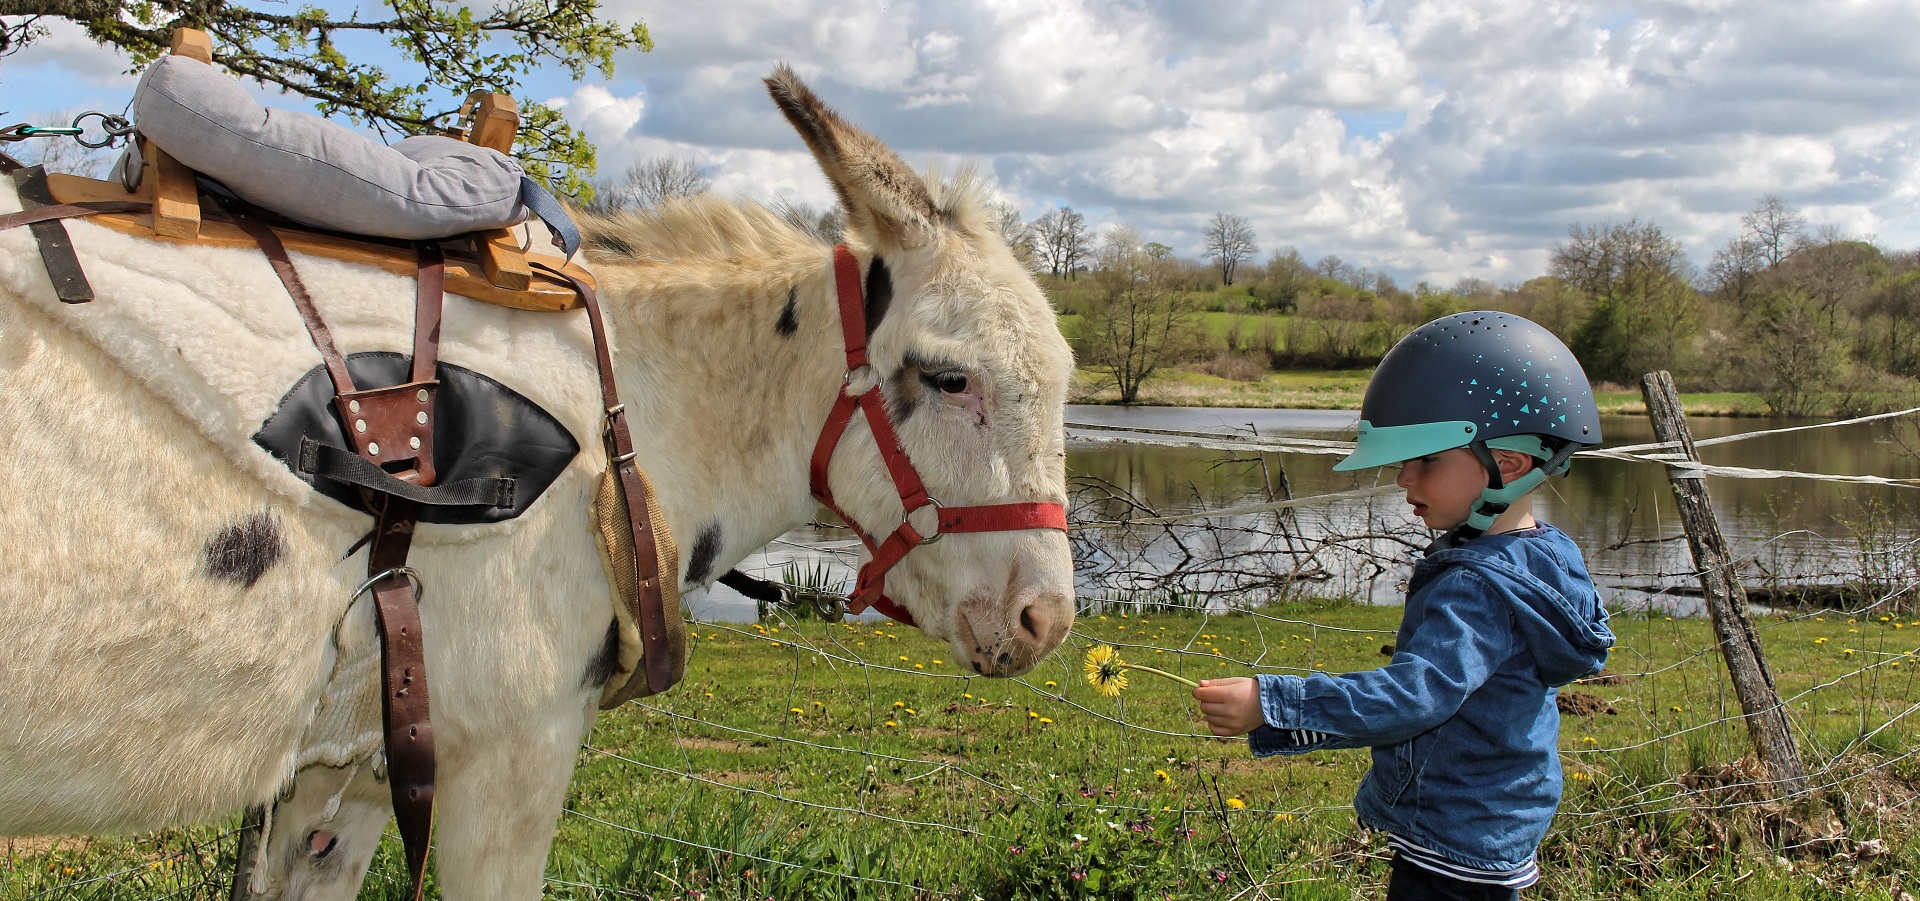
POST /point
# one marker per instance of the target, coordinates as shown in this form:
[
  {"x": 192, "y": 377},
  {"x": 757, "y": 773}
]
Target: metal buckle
[{"x": 419, "y": 586}]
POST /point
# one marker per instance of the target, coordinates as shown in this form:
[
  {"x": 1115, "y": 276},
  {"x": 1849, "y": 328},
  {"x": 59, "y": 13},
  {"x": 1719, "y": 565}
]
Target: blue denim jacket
[{"x": 1462, "y": 722}]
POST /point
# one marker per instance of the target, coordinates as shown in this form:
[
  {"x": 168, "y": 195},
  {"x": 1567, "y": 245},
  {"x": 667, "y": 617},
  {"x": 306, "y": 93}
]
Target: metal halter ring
[
  {"x": 937, "y": 534},
  {"x": 419, "y": 587}
]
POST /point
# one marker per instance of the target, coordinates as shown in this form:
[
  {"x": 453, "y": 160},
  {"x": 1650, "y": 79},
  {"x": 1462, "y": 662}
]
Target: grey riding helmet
[{"x": 1478, "y": 380}]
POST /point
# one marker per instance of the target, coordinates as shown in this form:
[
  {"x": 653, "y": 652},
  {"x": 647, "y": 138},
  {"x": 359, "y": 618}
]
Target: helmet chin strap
[{"x": 1499, "y": 495}]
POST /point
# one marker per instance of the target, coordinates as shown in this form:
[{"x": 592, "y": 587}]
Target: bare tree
[
  {"x": 1229, "y": 243},
  {"x": 649, "y": 183},
  {"x": 1136, "y": 322},
  {"x": 1640, "y": 284},
  {"x": 1774, "y": 228},
  {"x": 1005, "y": 218},
  {"x": 1736, "y": 269},
  {"x": 1062, "y": 240},
  {"x": 829, "y": 225}
]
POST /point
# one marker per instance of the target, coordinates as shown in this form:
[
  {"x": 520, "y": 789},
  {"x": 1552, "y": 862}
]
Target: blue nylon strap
[{"x": 535, "y": 198}]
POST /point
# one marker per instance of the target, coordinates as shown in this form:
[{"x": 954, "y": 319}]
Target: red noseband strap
[{"x": 870, "y": 589}]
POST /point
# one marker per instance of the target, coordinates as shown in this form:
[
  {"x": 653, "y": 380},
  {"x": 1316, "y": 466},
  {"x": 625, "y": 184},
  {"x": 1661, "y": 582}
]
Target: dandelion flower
[
  {"x": 891, "y": 724},
  {"x": 1032, "y": 716},
  {"x": 899, "y": 703},
  {"x": 1052, "y": 684},
  {"x": 795, "y": 710},
  {"x": 1106, "y": 672},
  {"x": 1283, "y": 817},
  {"x": 1162, "y": 776},
  {"x": 1236, "y": 804},
  {"x": 1046, "y": 721},
  {"x": 910, "y": 711}
]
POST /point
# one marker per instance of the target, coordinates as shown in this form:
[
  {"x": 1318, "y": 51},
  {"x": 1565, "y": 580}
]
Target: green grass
[{"x": 808, "y": 760}]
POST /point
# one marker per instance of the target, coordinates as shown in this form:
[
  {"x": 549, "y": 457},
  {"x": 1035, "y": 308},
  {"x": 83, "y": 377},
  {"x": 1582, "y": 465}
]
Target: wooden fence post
[{"x": 1726, "y": 597}]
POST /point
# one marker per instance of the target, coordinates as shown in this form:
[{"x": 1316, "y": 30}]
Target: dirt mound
[{"x": 1575, "y": 703}]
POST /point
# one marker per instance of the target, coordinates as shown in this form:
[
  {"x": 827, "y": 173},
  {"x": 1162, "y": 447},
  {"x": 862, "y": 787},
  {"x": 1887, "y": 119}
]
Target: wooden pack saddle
[{"x": 390, "y": 428}]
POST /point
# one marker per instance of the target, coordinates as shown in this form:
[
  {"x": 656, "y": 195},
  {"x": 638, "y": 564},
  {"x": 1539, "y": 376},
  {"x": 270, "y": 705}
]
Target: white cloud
[{"x": 1432, "y": 139}]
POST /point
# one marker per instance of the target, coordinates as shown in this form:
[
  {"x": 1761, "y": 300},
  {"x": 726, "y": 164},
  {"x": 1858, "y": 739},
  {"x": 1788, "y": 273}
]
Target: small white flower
[{"x": 1078, "y": 837}]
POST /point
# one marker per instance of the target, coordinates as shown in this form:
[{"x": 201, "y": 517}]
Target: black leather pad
[{"x": 483, "y": 430}]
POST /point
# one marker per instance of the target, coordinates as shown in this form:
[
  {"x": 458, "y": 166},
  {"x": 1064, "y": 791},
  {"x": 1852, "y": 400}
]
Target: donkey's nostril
[{"x": 1033, "y": 624}]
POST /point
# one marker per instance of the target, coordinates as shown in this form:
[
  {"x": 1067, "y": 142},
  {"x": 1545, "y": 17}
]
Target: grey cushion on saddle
[{"x": 314, "y": 171}]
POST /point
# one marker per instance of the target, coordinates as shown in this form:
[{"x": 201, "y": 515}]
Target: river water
[{"x": 1784, "y": 530}]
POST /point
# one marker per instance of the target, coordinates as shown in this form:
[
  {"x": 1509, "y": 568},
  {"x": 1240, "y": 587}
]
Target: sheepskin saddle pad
[{"x": 211, "y": 331}]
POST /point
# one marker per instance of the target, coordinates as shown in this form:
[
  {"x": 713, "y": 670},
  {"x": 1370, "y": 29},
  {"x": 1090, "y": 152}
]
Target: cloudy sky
[{"x": 1430, "y": 139}]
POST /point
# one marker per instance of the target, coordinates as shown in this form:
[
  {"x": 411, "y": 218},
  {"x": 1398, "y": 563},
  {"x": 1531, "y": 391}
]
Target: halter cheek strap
[{"x": 870, "y": 587}]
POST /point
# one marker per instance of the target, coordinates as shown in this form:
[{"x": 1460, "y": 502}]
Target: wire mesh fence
[{"x": 807, "y": 758}]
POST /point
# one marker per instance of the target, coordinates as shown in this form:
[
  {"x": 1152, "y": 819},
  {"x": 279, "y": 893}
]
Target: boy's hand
[{"x": 1231, "y": 706}]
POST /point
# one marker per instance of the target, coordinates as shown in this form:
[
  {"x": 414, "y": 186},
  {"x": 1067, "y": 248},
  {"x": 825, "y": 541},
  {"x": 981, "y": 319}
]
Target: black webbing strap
[{"x": 350, "y": 468}]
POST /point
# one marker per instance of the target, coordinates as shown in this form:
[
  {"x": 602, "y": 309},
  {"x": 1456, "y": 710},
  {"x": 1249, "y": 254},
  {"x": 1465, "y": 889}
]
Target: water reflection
[{"x": 1622, "y": 514}]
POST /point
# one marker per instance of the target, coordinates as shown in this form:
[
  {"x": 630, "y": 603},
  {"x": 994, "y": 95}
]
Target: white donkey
[{"x": 177, "y": 640}]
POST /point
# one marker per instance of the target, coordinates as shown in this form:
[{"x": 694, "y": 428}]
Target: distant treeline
[{"x": 1809, "y": 319}]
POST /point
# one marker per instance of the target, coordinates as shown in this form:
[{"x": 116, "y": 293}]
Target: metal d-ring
[
  {"x": 937, "y": 534},
  {"x": 419, "y": 586}
]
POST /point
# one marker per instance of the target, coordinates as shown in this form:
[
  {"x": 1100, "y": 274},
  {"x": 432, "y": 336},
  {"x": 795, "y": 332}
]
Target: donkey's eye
[{"x": 951, "y": 382}]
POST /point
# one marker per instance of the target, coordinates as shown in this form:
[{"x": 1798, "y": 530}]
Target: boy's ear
[{"x": 1514, "y": 464}]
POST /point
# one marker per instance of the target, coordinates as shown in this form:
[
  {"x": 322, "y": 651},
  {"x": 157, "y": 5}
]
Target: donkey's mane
[{"x": 706, "y": 227}]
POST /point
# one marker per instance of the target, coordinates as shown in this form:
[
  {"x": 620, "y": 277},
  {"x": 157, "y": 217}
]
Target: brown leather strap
[
  {"x": 652, "y": 613},
  {"x": 429, "y": 299},
  {"x": 276, "y": 252},
  {"x": 402, "y": 417},
  {"x": 56, "y": 248},
  {"x": 70, "y": 211},
  {"x": 403, "y": 667}
]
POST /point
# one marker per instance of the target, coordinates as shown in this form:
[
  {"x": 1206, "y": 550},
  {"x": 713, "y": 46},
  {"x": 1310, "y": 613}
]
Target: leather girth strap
[
  {"x": 649, "y": 611},
  {"x": 391, "y": 426},
  {"x": 56, "y": 248}
]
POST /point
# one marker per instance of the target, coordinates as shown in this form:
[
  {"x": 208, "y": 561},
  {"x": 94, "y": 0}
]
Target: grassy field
[{"x": 806, "y": 760}]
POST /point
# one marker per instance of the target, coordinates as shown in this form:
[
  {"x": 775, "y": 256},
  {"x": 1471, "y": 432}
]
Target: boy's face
[{"x": 1443, "y": 487}]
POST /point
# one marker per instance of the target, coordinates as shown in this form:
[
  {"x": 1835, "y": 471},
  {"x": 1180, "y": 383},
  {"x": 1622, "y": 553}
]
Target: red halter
[{"x": 870, "y": 589}]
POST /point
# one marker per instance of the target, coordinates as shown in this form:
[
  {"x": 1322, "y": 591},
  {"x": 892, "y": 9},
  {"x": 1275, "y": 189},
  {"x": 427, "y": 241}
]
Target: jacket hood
[{"x": 1540, "y": 574}]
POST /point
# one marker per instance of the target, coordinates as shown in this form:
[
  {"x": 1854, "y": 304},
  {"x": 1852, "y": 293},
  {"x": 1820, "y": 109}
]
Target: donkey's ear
[{"x": 881, "y": 195}]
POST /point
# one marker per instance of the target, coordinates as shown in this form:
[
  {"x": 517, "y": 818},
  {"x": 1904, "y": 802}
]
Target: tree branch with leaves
[{"x": 450, "y": 51}]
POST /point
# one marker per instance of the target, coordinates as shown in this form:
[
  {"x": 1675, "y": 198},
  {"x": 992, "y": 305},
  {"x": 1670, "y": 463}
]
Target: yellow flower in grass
[
  {"x": 1236, "y": 804},
  {"x": 796, "y": 710},
  {"x": 1046, "y": 721},
  {"x": 1105, "y": 671},
  {"x": 1162, "y": 776}
]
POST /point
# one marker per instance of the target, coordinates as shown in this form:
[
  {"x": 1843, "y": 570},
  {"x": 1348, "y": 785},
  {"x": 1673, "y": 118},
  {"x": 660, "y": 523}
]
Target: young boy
[{"x": 1478, "y": 409}]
